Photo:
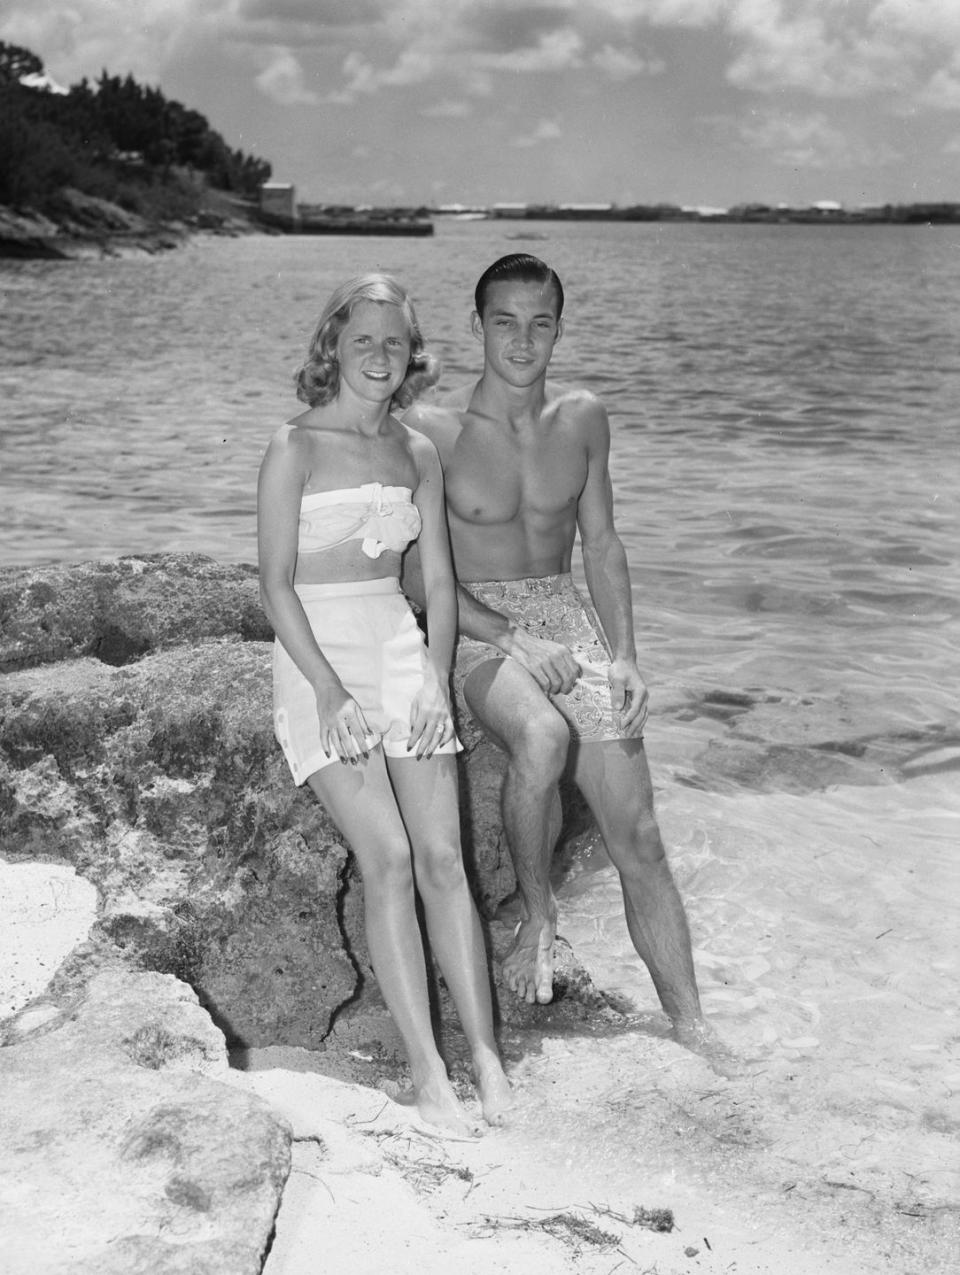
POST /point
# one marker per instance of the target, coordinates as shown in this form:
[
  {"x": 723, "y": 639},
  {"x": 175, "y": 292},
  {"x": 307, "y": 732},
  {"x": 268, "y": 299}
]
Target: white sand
[
  {"x": 46, "y": 911},
  {"x": 825, "y": 930}
]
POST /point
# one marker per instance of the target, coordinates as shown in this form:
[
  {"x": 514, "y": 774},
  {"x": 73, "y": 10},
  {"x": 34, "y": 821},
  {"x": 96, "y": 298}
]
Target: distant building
[
  {"x": 509, "y": 210},
  {"x": 278, "y": 199}
]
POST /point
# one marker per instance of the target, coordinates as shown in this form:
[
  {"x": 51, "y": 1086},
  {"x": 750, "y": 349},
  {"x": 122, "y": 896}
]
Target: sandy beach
[{"x": 825, "y": 936}]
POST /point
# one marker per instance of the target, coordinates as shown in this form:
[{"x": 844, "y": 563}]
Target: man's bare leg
[
  {"x": 520, "y": 719},
  {"x": 615, "y": 779}
]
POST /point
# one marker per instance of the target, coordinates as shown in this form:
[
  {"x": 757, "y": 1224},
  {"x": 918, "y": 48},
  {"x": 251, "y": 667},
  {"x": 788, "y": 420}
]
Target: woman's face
[{"x": 374, "y": 351}]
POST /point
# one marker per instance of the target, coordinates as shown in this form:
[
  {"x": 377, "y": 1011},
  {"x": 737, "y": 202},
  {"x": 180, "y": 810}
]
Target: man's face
[{"x": 519, "y": 328}]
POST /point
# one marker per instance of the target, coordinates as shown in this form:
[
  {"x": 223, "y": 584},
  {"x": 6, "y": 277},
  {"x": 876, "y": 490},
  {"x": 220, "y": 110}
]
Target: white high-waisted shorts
[{"x": 367, "y": 631}]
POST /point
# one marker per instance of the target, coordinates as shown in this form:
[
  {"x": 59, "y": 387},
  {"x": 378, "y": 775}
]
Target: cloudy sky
[{"x": 703, "y": 102}]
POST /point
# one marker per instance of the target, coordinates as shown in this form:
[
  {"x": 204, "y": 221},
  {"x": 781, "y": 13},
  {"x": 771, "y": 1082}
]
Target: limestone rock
[
  {"x": 136, "y": 744},
  {"x": 118, "y": 610},
  {"x": 120, "y": 1156},
  {"x": 162, "y": 784}
]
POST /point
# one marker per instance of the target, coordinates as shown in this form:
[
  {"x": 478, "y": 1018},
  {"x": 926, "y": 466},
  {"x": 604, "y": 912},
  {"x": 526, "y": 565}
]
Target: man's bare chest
[{"x": 492, "y": 480}]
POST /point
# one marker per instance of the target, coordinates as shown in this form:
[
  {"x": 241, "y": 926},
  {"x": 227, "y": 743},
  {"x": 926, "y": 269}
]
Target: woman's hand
[
  {"x": 431, "y": 722},
  {"x": 343, "y": 728}
]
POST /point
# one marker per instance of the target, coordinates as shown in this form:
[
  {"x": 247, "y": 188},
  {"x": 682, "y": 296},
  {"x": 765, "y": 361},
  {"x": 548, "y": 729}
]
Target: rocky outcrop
[
  {"x": 136, "y": 744},
  {"x": 82, "y": 226},
  {"x": 124, "y": 1153},
  {"x": 77, "y": 226}
]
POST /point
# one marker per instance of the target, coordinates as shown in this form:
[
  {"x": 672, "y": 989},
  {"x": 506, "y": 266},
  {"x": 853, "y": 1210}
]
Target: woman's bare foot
[
  {"x": 496, "y": 1096},
  {"x": 528, "y": 966},
  {"x": 438, "y": 1105}
]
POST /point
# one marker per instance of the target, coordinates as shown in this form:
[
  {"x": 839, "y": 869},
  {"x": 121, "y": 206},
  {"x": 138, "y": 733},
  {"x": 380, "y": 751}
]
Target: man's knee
[
  {"x": 634, "y": 842},
  {"x": 538, "y": 745}
]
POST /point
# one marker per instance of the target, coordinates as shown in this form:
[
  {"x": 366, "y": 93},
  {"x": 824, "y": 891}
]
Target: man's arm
[
  {"x": 607, "y": 573},
  {"x": 550, "y": 664}
]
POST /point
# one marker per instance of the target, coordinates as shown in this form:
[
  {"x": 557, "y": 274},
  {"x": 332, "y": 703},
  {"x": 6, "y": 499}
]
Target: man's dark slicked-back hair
[{"x": 523, "y": 268}]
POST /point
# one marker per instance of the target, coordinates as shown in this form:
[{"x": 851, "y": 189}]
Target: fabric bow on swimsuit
[{"x": 384, "y": 517}]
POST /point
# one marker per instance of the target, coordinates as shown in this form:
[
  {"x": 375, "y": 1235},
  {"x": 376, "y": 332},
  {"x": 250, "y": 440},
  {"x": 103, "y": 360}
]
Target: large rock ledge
[
  {"x": 136, "y": 748},
  {"x": 136, "y": 745},
  {"x": 123, "y": 1152}
]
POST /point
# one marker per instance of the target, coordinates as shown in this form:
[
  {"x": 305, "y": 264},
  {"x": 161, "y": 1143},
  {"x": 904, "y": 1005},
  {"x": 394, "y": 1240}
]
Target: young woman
[{"x": 361, "y": 705}]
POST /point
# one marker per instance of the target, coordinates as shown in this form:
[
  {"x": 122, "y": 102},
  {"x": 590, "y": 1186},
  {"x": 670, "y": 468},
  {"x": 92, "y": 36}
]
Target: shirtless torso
[{"x": 513, "y": 494}]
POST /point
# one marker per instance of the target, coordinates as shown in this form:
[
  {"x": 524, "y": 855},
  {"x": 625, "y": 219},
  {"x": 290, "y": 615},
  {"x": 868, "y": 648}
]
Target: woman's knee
[
  {"x": 439, "y": 867},
  {"x": 386, "y": 866}
]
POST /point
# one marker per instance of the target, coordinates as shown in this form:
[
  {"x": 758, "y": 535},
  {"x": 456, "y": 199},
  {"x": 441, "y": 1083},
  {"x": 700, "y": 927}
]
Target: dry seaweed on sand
[
  {"x": 650, "y": 1219},
  {"x": 569, "y": 1228},
  {"x": 654, "y": 1219},
  {"x": 427, "y": 1175},
  {"x": 421, "y": 1169}
]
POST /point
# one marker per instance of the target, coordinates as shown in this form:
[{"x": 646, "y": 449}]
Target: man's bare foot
[
  {"x": 438, "y": 1105},
  {"x": 528, "y": 966},
  {"x": 496, "y": 1096},
  {"x": 700, "y": 1038}
]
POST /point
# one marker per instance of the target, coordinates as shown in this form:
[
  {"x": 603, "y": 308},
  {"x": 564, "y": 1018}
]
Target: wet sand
[
  {"x": 825, "y": 930},
  {"x": 825, "y": 933}
]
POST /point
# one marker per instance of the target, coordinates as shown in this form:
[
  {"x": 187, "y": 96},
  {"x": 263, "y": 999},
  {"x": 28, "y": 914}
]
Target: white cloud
[
  {"x": 85, "y": 37},
  {"x": 941, "y": 91},
  {"x": 447, "y": 109},
  {"x": 842, "y": 48},
  {"x": 624, "y": 64},
  {"x": 555, "y": 51},
  {"x": 283, "y": 81},
  {"x": 545, "y": 131},
  {"x": 809, "y": 141}
]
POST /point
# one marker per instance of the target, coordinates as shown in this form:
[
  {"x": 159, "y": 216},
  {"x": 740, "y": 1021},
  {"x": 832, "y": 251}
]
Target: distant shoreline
[
  {"x": 818, "y": 214},
  {"x": 90, "y": 227}
]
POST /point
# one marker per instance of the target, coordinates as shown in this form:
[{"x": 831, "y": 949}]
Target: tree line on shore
[{"x": 114, "y": 139}]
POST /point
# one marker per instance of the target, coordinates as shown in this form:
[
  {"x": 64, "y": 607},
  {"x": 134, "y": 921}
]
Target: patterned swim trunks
[{"x": 548, "y": 607}]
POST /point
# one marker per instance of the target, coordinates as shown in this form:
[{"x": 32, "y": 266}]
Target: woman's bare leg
[
  {"x": 427, "y": 795},
  {"x": 361, "y": 801}
]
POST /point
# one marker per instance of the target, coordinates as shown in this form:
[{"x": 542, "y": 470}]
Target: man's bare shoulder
[
  {"x": 457, "y": 400},
  {"x": 575, "y": 404},
  {"x": 440, "y": 414}
]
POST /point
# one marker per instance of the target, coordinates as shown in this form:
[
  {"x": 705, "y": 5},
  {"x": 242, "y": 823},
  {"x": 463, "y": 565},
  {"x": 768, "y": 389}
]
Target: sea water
[{"x": 784, "y": 406}]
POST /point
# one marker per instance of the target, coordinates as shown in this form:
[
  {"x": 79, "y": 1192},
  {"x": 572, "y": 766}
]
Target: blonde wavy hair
[{"x": 318, "y": 380}]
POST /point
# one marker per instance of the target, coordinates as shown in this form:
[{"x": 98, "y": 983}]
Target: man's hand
[
  {"x": 550, "y": 664},
  {"x": 629, "y": 698}
]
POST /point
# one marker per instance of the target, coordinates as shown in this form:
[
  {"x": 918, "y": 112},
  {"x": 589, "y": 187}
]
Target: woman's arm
[{"x": 279, "y": 491}]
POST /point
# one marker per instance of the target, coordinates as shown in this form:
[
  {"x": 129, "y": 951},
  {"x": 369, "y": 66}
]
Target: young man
[{"x": 525, "y": 466}]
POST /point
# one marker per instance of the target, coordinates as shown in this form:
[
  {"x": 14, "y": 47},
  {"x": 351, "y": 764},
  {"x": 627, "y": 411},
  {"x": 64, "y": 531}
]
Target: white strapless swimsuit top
[{"x": 381, "y": 517}]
